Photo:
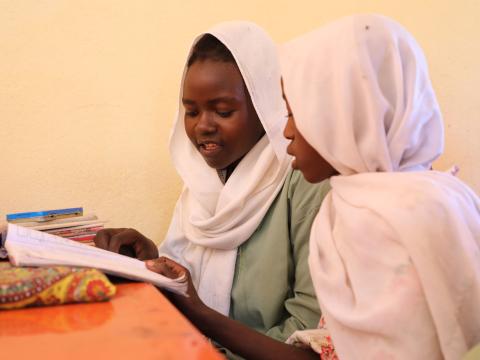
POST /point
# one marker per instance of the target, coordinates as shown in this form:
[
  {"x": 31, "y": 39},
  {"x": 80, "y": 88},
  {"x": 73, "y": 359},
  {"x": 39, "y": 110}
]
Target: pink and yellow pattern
[
  {"x": 53, "y": 285},
  {"x": 319, "y": 340}
]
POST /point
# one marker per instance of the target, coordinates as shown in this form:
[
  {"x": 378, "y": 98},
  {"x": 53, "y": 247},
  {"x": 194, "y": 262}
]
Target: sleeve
[{"x": 302, "y": 306}]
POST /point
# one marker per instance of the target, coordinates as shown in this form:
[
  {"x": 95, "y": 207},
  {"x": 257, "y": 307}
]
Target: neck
[{"x": 230, "y": 168}]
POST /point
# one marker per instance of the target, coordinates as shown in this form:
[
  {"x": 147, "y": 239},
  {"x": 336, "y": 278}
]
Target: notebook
[{"x": 29, "y": 247}]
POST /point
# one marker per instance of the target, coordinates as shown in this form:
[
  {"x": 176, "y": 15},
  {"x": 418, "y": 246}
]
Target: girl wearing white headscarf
[
  {"x": 395, "y": 248},
  {"x": 246, "y": 252},
  {"x": 213, "y": 219},
  {"x": 244, "y": 239}
]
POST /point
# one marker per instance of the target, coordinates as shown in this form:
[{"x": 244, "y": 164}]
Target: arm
[
  {"x": 304, "y": 200},
  {"x": 231, "y": 334},
  {"x": 302, "y": 306}
]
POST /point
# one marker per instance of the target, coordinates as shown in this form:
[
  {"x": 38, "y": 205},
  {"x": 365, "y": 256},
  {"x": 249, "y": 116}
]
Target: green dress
[{"x": 272, "y": 290}]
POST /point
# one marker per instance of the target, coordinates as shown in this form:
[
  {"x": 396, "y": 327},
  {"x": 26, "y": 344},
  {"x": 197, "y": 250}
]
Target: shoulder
[
  {"x": 304, "y": 197},
  {"x": 409, "y": 191}
]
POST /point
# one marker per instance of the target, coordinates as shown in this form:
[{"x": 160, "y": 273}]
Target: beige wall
[{"x": 88, "y": 91}]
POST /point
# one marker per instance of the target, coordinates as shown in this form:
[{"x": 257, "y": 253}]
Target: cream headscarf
[
  {"x": 211, "y": 219},
  {"x": 395, "y": 249}
]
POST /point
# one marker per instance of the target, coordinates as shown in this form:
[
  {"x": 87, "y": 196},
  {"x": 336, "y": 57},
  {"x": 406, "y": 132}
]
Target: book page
[{"x": 28, "y": 247}]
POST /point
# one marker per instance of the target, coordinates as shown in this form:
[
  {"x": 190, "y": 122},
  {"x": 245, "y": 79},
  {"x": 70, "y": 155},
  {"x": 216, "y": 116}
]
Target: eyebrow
[
  {"x": 226, "y": 99},
  {"x": 188, "y": 102}
]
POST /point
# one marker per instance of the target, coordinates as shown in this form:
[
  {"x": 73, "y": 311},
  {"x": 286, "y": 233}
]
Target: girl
[
  {"x": 395, "y": 248},
  {"x": 241, "y": 224}
]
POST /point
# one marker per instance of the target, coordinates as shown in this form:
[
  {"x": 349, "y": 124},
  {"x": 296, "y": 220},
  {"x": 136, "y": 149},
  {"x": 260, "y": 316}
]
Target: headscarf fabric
[
  {"x": 395, "y": 247},
  {"x": 211, "y": 219}
]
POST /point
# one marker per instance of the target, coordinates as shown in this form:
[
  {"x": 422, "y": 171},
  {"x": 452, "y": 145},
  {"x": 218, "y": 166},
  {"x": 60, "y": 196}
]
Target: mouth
[
  {"x": 209, "y": 148},
  {"x": 289, "y": 150},
  {"x": 291, "y": 153}
]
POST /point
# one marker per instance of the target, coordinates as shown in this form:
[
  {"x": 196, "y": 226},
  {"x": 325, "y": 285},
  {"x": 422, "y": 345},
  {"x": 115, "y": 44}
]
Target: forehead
[{"x": 209, "y": 78}]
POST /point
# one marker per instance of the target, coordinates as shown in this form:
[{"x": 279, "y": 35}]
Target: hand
[
  {"x": 126, "y": 242},
  {"x": 169, "y": 268}
]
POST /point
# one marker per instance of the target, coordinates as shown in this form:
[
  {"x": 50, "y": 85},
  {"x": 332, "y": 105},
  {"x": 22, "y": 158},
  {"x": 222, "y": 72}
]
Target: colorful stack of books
[{"x": 68, "y": 223}]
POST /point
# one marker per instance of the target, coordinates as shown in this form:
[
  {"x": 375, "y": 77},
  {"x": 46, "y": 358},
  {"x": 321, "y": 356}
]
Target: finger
[
  {"x": 160, "y": 268},
  {"x": 127, "y": 250},
  {"x": 176, "y": 267},
  {"x": 102, "y": 238},
  {"x": 121, "y": 238},
  {"x": 146, "y": 250},
  {"x": 168, "y": 268}
]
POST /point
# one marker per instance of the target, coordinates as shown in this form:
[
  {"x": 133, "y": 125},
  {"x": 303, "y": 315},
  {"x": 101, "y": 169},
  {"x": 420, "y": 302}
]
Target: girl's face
[
  {"x": 220, "y": 119},
  {"x": 313, "y": 166}
]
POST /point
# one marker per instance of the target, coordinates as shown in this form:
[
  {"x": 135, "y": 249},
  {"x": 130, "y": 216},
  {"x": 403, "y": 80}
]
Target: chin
[
  {"x": 312, "y": 178},
  {"x": 217, "y": 165}
]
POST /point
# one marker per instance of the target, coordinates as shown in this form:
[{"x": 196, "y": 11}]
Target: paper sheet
[{"x": 28, "y": 247}]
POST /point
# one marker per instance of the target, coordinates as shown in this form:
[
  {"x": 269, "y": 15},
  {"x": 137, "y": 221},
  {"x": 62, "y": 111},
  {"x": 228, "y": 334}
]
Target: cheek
[
  {"x": 190, "y": 130},
  {"x": 235, "y": 131},
  {"x": 310, "y": 170},
  {"x": 302, "y": 153},
  {"x": 307, "y": 162}
]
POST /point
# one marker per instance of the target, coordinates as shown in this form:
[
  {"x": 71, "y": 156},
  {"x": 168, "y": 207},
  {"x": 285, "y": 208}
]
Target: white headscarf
[
  {"x": 395, "y": 249},
  {"x": 211, "y": 219}
]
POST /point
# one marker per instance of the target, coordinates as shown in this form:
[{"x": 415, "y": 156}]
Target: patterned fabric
[
  {"x": 31, "y": 286},
  {"x": 319, "y": 340},
  {"x": 325, "y": 344}
]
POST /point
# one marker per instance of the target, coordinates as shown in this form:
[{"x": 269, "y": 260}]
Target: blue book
[{"x": 45, "y": 215}]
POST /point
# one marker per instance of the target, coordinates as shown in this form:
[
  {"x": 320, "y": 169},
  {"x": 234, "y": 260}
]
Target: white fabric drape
[
  {"x": 395, "y": 248},
  {"x": 211, "y": 219}
]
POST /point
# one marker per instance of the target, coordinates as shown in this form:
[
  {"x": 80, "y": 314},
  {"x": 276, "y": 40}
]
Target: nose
[
  {"x": 206, "y": 124},
  {"x": 289, "y": 130}
]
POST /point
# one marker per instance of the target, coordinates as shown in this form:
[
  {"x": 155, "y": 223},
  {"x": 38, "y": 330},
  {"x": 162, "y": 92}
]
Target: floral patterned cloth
[
  {"x": 319, "y": 340},
  {"x": 32, "y": 286}
]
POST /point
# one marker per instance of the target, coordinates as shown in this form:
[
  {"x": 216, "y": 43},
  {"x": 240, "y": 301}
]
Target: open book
[{"x": 28, "y": 247}]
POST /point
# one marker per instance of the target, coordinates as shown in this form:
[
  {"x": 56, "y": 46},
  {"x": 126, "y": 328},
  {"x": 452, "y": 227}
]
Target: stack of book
[{"x": 68, "y": 223}]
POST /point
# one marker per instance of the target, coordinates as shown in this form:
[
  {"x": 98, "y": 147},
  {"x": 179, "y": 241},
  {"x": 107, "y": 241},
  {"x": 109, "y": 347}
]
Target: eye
[
  {"x": 191, "y": 113},
  {"x": 225, "y": 114},
  {"x": 289, "y": 115}
]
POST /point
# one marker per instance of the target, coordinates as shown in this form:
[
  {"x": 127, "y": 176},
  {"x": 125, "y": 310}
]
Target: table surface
[{"x": 138, "y": 323}]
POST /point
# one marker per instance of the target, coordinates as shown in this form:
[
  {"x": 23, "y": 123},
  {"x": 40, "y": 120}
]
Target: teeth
[{"x": 210, "y": 146}]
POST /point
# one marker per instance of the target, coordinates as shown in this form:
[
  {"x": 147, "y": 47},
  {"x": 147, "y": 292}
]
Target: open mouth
[{"x": 209, "y": 148}]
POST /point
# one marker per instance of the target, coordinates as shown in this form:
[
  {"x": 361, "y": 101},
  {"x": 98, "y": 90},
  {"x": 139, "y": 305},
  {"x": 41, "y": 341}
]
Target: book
[
  {"x": 44, "y": 215},
  {"x": 53, "y": 226},
  {"x": 29, "y": 247},
  {"x": 68, "y": 223},
  {"x": 59, "y": 222}
]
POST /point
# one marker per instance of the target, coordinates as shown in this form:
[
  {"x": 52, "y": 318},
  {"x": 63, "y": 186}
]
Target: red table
[{"x": 138, "y": 323}]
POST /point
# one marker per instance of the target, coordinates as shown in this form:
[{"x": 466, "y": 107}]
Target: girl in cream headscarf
[
  {"x": 395, "y": 248},
  {"x": 242, "y": 222}
]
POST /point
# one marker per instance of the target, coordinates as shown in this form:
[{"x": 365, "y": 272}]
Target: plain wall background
[{"x": 89, "y": 90}]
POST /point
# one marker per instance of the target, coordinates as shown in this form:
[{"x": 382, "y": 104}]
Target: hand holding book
[
  {"x": 126, "y": 242},
  {"x": 28, "y": 247}
]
